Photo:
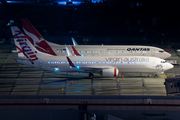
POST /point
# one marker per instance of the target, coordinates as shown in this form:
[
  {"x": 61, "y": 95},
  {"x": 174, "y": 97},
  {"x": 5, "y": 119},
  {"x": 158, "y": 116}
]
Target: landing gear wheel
[
  {"x": 155, "y": 75},
  {"x": 91, "y": 75}
]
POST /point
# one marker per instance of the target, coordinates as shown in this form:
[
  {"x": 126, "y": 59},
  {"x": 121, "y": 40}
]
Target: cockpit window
[
  {"x": 163, "y": 61},
  {"x": 161, "y": 51}
]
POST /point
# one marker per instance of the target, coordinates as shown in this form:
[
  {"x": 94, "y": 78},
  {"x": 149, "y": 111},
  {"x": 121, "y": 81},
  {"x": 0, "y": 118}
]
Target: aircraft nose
[
  {"x": 168, "y": 55},
  {"x": 169, "y": 66}
]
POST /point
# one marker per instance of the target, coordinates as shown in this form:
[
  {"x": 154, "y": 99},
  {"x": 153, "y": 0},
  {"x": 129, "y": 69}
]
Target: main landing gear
[
  {"x": 153, "y": 75},
  {"x": 91, "y": 75}
]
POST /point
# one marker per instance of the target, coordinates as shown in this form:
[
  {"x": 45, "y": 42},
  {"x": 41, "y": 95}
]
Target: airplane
[
  {"x": 89, "y": 50},
  {"x": 107, "y": 66}
]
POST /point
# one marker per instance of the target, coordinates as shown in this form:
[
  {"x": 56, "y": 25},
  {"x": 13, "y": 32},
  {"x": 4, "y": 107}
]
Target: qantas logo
[
  {"x": 26, "y": 50},
  {"x": 138, "y": 49}
]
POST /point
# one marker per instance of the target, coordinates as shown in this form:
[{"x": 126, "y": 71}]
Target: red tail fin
[
  {"x": 35, "y": 37},
  {"x": 75, "y": 51},
  {"x": 70, "y": 62}
]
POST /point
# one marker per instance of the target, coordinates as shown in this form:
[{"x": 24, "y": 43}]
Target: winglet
[
  {"x": 75, "y": 51},
  {"x": 70, "y": 62},
  {"x": 68, "y": 52},
  {"x": 74, "y": 41}
]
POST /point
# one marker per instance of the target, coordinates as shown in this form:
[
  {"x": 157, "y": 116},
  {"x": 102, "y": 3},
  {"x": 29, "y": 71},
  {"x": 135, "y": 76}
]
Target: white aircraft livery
[
  {"x": 89, "y": 50},
  {"x": 108, "y": 66}
]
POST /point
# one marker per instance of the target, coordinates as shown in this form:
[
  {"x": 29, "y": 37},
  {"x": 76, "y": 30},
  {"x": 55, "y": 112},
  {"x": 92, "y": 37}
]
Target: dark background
[{"x": 105, "y": 21}]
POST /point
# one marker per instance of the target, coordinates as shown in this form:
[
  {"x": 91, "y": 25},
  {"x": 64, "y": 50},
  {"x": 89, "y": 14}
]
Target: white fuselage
[
  {"x": 86, "y": 64},
  {"x": 112, "y": 50},
  {"x": 89, "y": 50},
  {"x": 107, "y": 60}
]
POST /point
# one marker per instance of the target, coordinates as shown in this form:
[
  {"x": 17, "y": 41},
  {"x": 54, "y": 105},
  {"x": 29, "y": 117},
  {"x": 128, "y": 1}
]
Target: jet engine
[{"x": 111, "y": 72}]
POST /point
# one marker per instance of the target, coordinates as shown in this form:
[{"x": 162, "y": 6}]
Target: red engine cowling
[{"x": 111, "y": 72}]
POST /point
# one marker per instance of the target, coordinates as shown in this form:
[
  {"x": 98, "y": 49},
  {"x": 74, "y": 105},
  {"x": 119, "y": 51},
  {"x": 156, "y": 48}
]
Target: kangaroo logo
[{"x": 38, "y": 41}]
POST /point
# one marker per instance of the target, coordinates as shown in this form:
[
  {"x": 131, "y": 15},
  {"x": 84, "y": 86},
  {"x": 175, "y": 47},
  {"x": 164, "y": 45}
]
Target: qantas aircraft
[
  {"x": 108, "y": 66},
  {"x": 89, "y": 50}
]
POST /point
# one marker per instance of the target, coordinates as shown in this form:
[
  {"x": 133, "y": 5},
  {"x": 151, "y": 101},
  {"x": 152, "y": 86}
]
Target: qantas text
[{"x": 138, "y": 49}]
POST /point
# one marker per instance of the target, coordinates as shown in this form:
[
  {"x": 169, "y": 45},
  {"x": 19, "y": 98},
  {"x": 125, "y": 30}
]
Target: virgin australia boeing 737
[
  {"x": 105, "y": 65},
  {"x": 89, "y": 50}
]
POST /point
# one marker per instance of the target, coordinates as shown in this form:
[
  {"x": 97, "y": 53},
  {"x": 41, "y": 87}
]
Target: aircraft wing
[
  {"x": 96, "y": 67},
  {"x": 93, "y": 68},
  {"x": 74, "y": 41}
]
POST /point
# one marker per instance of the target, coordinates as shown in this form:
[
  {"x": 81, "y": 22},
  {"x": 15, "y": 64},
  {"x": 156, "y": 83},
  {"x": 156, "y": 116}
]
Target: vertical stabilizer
[
  {"x": 18, "y": 36},
  {"x": 24, "y": 46},
  {"x": 36, "y": 38}
]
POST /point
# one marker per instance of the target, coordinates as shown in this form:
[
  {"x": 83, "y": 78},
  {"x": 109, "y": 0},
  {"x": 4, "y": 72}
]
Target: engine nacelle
[{"x": 111, "y": 72}]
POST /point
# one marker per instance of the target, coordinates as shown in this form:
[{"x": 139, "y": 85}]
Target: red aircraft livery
[
  {"x": 35, "y": 38},
  {"x": 26, "y": 50}
]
